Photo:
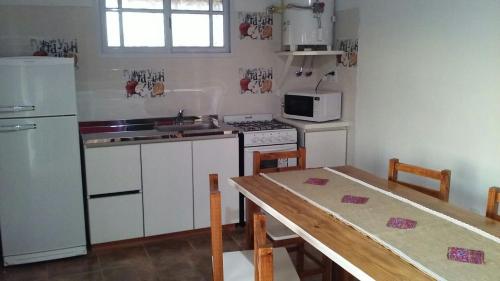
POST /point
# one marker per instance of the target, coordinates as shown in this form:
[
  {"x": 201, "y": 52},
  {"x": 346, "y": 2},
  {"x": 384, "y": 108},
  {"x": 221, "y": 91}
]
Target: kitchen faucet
[{"x": 180, "y": 117}]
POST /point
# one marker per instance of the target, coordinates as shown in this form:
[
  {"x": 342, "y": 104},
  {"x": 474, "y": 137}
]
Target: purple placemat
[
  {"x": 401, "y": 223},
  {"x": 466, "y": 255},
  {"x": 316, "y": 181},
  {"x": 354, "y": 199}
]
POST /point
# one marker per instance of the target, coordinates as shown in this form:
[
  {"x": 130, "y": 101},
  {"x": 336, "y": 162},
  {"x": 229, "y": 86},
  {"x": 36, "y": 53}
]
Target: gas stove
[
  {"x": 260, "y": 132},
  {"x": 262, "y": 129},
  {"x": 252, "y": 126}
]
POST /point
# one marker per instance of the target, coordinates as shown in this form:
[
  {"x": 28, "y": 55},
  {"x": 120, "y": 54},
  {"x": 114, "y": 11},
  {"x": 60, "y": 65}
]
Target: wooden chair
[
  {"x": 271, "y": 264},
  {"x": 492, "y": 205},
  {"x": 280, "y": 235},
  {"x": 442, "y": 176}
]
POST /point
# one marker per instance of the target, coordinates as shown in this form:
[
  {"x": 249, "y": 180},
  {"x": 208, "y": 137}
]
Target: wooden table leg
[{"x": 251, "y": 209}]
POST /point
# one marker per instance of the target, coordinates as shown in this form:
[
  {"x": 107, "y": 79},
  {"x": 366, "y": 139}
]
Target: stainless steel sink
[{"x": 187, "y": 127}]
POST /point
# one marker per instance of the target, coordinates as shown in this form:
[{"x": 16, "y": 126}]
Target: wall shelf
[{"x": 292, "y": 55}]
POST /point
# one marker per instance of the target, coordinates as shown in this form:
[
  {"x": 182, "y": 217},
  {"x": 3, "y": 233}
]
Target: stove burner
[{"x": 260, "y": 125}]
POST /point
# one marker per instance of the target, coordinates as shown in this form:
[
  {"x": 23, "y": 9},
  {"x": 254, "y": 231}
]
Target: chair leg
[{"x": 251, "y": 209}]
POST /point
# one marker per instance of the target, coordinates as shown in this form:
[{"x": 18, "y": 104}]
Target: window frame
[{"x": 167, "y": 17}]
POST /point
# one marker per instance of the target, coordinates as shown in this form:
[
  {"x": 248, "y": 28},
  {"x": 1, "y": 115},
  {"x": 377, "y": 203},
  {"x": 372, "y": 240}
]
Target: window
[{"x": 177, "y": 26}]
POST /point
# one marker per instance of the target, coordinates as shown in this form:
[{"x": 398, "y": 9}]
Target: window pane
[
  {"x": 113, "y": 29},
  {"x": 143, "y": 29},
  {"x": 200, "y": 5},
  {"x": 190, "y": 30},
  {"x": 111, "y": 3},
  {"x": 218, "y": 32},
  {"x": 217, "y": 5},
  {"x": 142, "y": 4}
]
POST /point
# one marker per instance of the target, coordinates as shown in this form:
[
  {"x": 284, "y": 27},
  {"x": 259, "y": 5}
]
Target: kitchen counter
[
  {"x": 140, "y": 131},
  {"x": 314, "y": 126}
]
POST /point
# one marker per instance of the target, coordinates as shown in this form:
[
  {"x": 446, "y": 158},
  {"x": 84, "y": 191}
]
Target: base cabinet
[
  {"x": 115, "y": 218},
  {"x": 215, "y": 156},
  {"x": 167, "y": 187},
  {"x": 325, "y": 148},
  {"x": 221, "y": 157},
  {"x": 158, "y": 188}
]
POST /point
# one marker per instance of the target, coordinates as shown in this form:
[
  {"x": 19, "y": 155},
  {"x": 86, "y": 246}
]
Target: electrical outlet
[{"x": 332, "y": 76}]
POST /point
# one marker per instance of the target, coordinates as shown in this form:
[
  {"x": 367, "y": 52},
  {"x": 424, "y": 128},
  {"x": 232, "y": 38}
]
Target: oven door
[{"x": 248, "y": 157}]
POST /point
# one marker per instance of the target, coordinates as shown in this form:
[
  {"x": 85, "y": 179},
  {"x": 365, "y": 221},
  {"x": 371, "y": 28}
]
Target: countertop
[
  {"x": 313, "y": 126},
  {"x": 141, "y": 131}
]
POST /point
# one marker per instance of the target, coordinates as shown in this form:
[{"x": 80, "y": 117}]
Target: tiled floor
[{"x": 170, "y": 259}]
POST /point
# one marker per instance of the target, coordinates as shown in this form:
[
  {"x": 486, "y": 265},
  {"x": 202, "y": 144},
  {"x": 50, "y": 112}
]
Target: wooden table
[{"x": 361, "y": 256}]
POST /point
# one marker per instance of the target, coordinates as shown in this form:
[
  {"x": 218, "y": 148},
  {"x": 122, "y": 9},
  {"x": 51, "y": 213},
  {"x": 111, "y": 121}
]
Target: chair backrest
[
  {"x": 442, "y": 176},
  {"x": 216, "y": 228},
  {"x": 263, "y": 251},
  {"x": 259, "y": 157},
  {"x": 493, "y": 201}
]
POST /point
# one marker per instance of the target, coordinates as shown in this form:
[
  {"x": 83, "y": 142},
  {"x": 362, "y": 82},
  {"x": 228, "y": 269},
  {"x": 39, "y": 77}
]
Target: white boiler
[{"x": 308, "y": 24}]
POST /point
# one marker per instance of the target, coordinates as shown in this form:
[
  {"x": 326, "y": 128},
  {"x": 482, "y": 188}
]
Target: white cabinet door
[
  {"x": 325, "y": 148},
  {"x": 215, "y": 156},
  {"x": 167, "y": 187},
  {"x": 115, "y": 218},
  {"x": 113, "y": 169}
]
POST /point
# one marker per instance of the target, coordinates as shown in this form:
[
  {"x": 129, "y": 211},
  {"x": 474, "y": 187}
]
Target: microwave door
[{"x": 300, "y": 106}]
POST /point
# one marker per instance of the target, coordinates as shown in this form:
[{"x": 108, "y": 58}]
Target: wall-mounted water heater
[{"x": 308, "y": 24}]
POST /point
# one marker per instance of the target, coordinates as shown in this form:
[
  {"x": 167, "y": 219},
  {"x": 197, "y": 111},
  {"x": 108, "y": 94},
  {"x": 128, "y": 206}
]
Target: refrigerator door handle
[
  {"x": 16, "y": 108},
  {"x": 18, "y": 127}
]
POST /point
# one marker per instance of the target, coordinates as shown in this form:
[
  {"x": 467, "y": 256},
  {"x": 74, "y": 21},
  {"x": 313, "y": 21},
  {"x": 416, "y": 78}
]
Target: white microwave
[{"x": 311, "y": 106}]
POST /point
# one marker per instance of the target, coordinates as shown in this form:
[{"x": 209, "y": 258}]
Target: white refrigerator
[{"x": 41, "y": 196}]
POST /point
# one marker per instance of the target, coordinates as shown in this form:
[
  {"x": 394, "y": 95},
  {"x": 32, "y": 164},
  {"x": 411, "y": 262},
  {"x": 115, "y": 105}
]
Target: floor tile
[
  {"x": 29, "y": 272},
  {"x": 168, "y": 252},
  {"x": 130, "y": 273},
  {"x": 126, "y": 256},
  {"x": 86, "y": 276},
  {"x": 74, "y": 265},
  {"x": 182, "y": 273},
  {"x": 204, "y": 243}
]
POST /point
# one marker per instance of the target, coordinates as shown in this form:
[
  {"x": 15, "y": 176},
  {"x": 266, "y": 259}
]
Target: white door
[
  {"x": 248, "y": 156},
  {"x": 37, "y": 86},
  {"x": 115, "y": 218},
  {"x": 215, "y": 156},
  {"x": 113, "y": 169},
  {"x": 167, "y": 187},
  {"x": 41, "y": 196},
  {"x": 326, "y": 148}
]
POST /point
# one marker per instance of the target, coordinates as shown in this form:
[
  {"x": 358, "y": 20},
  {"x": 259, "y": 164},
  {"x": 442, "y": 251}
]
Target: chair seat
[
  {"x": 278, "y": 231},
  {"x": 238, "y": 266}
]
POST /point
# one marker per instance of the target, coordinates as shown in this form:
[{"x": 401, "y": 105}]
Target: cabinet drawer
[
  {"x": 113, "y": 169},
  {"x": 115, "y": 218}
]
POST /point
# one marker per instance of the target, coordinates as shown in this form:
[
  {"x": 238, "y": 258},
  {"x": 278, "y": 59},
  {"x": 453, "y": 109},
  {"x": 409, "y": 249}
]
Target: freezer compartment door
[
  {"x": 37, "y": 87},
  {"x": 41, "y": 198}
]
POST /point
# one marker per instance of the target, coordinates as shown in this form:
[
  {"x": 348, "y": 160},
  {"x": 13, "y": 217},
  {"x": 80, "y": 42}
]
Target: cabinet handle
[
  {"x": 18, "y": 127},
  {"x": 114, "y": 194},
  {"x": 16, "y": 108}
]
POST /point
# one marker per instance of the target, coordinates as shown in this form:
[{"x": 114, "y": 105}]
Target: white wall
[
  {"x": 202, "y": 84},
  {"x": 429, "y": 91}
]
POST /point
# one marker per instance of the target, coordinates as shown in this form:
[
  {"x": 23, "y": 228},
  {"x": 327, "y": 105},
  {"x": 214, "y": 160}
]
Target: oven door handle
[{"x": 270, "y": 148}]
